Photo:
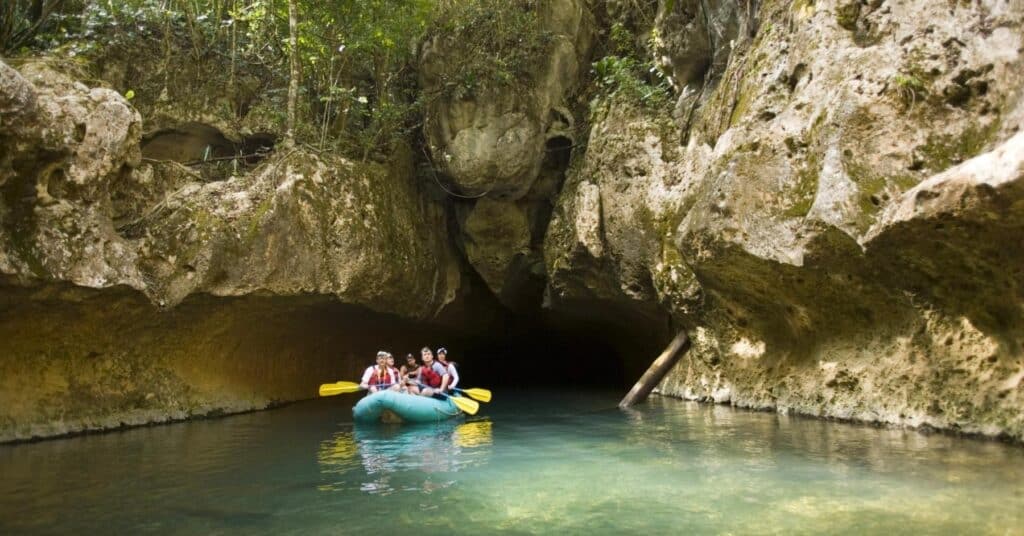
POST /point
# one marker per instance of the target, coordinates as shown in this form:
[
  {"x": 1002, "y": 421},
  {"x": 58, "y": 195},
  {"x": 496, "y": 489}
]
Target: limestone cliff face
[
  {"x": 808, "y": 221},
  {"x": 494, "y": 142},
  {"x": 831, "y": 208},
  {"x": 504, "y": 146},
  {"x": 81, "y": 206},
  {"x": 108, "y": 262}
]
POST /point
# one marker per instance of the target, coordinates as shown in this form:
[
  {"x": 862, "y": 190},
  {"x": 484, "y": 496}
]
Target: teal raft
[{"x": 394, "y": 407}]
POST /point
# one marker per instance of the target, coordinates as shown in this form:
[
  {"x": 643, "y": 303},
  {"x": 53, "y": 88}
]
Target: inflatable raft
[{"x": 394, "y": 407}]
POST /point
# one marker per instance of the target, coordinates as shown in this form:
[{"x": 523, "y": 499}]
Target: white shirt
[
  {"x": 371, "y": 370},
  {"x": 454, "y": 374},
  {"x": 367, "y": 375}
]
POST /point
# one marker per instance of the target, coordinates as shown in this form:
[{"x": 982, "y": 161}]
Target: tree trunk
[
  {"x": 165, "y": 94},
  {"x": 657, "y": 370},
  {"x": 293, "y": 85},
  {"x": 232, "y": 92}
]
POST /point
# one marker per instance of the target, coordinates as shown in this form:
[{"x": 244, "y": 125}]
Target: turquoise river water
[{"x": 530, "y": 462}]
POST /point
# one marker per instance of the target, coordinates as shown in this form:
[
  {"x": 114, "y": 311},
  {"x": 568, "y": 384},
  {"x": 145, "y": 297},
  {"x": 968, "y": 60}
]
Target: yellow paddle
[
  {"x": 466, "y": 405},
  {"x": 476, "y": 393},
  {"x": 338, "y": 388}
]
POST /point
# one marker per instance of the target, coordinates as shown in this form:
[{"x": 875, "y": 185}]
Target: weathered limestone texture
[
  {"x": 494, "y": 142},
  {"x": 497, "y": 236},
  {"x": 832, "y": 208},
  {"x": 509, "y": 147},
  {"x": 79, "y": 206},
  {"x": 817, "y": 218},
  {"x": 157, "y": 240},
  {"x": 921, "y": 327},
  {"x": 76, "y": 359}
]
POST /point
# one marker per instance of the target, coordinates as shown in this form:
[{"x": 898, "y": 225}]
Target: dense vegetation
[
  {"x": 499, "y": 44},
  {"x": 342, "y": 78},
  {"x": 623, "y": 73},
  {"x": 355, "y": 85}
]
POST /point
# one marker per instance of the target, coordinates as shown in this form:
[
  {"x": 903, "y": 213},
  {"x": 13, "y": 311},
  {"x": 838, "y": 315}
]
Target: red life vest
[
  {"x": 381, "y": 376},
  {"x": 428, "y": 377}
]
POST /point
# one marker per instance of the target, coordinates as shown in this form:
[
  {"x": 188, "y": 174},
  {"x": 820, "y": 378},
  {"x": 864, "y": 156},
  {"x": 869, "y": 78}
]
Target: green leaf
[{"x": 130, "y": 94}]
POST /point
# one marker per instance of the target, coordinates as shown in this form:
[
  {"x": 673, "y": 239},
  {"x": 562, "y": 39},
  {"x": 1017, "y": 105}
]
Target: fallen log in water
[{"x": 643, "y": 387}]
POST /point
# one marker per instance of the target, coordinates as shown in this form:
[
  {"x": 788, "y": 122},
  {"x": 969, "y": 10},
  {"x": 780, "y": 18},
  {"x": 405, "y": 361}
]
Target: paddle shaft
[
  {"x": 349, "y": 387},
  {"x": 467, "y": 405}
]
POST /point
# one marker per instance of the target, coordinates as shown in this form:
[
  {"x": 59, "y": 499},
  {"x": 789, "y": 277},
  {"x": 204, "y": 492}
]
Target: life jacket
[
  {"x": 381, "y": 376},
  {"x": 428, "y": 377}
]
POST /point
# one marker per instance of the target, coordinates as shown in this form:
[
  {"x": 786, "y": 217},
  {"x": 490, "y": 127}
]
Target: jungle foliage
[
  {"x": 357, "y": 86},
  {"x": 625, "y": 71},
  {"x": 355, "y": 90},
  {"x": 500, "y": 43}
]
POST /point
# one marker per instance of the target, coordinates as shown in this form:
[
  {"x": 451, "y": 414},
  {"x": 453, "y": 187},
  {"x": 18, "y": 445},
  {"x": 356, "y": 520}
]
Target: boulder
[{"x": 494, "y": 142}]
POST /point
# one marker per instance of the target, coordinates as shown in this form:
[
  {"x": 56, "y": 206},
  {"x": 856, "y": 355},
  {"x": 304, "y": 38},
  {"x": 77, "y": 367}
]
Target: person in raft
[
  {"x": 432, "y": 377},
  {"x": 379, "y": 376},
  {"x": 442, "y": 356},
  {"x": 395, "y": 376},
  {"x": 408, "y": 372}
]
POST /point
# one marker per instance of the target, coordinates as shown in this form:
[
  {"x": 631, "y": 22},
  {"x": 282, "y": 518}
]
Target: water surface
[{"x": 531, "y": 462}]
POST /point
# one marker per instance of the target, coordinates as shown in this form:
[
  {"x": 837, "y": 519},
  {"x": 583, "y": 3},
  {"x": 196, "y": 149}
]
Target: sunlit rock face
[
  {"x": 148, "y": 242},
  {"x": 919, "y": 325},
  {"x": 79, "y": 205},
  {"x": 809, "y": 220}
]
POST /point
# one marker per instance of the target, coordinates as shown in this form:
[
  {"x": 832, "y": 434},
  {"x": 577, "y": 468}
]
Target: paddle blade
[
  {"x": 477, "y": 393},
  {"x": 338, "y": 388},
  {"x": 466, "y": 405}
]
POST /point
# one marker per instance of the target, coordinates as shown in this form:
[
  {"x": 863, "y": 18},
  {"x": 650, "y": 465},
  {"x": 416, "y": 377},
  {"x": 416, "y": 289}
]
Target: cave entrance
[
  {"x": 558, "y": 152},
  {"x": 206, "y": 148},
  {"x": 523, "y": 357},
  {"x": 556, "y": 350}
]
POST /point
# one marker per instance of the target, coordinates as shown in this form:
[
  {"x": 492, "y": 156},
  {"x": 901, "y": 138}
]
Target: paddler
[
  {"x": 396, "y": 379},
  {"x": 408, "y": 373},
  {"x": 442, "y": 356},
  {"x": 377, "y": 377},
  {"x": 433, "y": 377}
]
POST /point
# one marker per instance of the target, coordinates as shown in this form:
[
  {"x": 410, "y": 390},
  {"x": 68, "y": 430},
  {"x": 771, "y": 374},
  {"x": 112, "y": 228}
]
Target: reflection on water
[
  {"x": 473, "y": 434},
  {"x": 533, "y": 463},
  {"x": 385, "y": 451}
]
